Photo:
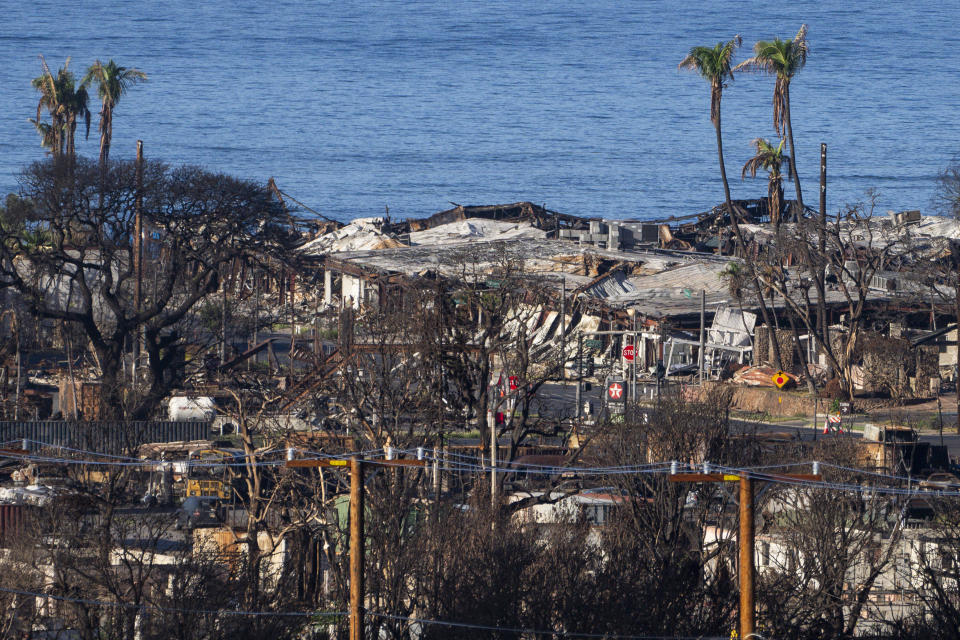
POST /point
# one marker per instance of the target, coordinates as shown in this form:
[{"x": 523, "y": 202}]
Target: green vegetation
[
  {"x": 65, "y": 102},
  {"x": 769, "y": 158},
  {"x": 713, "y": 65},
  {"x": 112, "y": 82},
  {"x": 782, "y": 58}
]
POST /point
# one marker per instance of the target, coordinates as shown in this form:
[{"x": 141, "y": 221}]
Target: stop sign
[{"x": 628, "y": 352}]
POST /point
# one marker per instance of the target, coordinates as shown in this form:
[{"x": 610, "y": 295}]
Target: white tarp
[
  {"x": 732, "y": 327},
  {"x": 475, "y": 228}
]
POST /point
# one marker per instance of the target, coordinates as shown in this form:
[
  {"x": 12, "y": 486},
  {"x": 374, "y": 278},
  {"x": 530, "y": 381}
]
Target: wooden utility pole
[
  {"x": 747, "y": 532},
  {"x": 356, "y": 467},
  {"x": 492, "y": 425},
  {"x": 138, "y": 256},
  {"x": 747, "y": 569},
  {"x": 703, "y": 334},
  {"x": 356, "y": 548},
  {"x": 563, "y": 329},
  {"x": 822, "y": 243}
]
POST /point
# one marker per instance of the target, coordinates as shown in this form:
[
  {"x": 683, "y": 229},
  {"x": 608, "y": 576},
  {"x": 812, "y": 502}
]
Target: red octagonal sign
[{"x": 628, "y": 352}]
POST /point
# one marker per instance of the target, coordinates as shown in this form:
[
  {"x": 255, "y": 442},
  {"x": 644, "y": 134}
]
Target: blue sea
[{"x": 357, "y": 106}]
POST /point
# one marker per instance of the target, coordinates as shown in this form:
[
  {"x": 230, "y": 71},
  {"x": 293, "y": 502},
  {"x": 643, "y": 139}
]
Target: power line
[
  {"x": 561, "y": 633},
  {"x": 159, "y": 609},
  {"x": 517, "y": 468}
]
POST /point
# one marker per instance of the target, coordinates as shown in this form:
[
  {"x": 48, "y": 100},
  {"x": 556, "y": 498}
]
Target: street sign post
[{"x": 616, "y": 394}]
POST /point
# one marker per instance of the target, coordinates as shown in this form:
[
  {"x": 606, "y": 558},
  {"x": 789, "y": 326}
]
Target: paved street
[{"x": 560, "y": 400}]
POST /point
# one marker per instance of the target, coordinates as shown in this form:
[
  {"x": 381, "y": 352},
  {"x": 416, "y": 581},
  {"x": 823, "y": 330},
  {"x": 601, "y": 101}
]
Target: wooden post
[
  {"x": 563, "y": 329},
  {"x": 356, "y": 548},
  {"x": 703, "y": 335},
  {"x": 357, "y": 590},
  {"x": 823, "y": 183},
  {"x": 492, "y": 425},
  {"x": 747, "y": 532},
  {"x": 138, "y": 255},
  {"x": 747, "y": 608}
]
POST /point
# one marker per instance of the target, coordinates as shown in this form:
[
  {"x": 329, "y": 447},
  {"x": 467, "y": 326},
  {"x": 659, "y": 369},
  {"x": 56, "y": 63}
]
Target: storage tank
[{"x": 182, "y": 408}]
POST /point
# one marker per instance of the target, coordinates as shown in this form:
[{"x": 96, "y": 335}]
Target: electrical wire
[
  {"x": 151, "y": 607},
  {"x": 562, "y": 634},
  {"x": 313, "y": 614},
  {"x": 464, "y": 464}
]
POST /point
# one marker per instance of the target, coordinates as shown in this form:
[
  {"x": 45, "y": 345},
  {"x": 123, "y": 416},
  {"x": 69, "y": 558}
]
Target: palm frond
[{"x": 713, "y": 65}]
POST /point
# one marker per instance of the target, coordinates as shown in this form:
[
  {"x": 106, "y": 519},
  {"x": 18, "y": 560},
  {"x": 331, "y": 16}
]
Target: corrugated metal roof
[
  {"x": 616, "y": 284},
  {"x": 689, "y": 277}
]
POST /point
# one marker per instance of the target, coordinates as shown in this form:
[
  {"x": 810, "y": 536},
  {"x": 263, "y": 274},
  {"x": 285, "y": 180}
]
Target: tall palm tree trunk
[
  {"x": 71, "y": 130},
  {"x": 723, "y": 173},
  {"x": 793, "y": 150},
  {"x": 106, "y": 126},
  {"x": 775, "y": 198},
  {"x": 740, "y": 244}
]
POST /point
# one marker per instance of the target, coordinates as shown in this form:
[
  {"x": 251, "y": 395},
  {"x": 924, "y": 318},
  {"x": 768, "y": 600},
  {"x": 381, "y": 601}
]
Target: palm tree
[
  {"x": 48, "y": 134},
  {"x": 52, "y": 134},
  {"x": 65, "y": 102},
  {"x": 75, "y": 102},
  {"x": 771, "y": 159},
  {"x": 713, "y": 65},
  {"x": 783, "y": 58},
  {"x": 112, "y": 83}
]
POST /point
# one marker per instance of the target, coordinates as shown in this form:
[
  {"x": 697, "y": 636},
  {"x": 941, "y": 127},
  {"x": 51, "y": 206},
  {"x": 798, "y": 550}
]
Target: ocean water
[{"x": 357, "y": 106}]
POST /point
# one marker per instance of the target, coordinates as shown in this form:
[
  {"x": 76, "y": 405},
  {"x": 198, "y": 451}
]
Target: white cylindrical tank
[{"x": 183, "y": 408}]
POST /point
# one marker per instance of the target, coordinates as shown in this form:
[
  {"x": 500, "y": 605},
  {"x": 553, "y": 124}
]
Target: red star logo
[{"x": 615, "y": 391}]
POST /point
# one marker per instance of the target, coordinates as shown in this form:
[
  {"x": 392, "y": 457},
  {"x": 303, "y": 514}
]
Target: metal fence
[{"x": 105, "y": 437}]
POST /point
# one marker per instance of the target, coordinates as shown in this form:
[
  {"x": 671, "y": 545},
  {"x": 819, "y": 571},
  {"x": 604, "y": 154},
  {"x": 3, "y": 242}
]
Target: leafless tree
[
  {"x": 856, "y": 248},
  {"x": 826, "y": 550}
]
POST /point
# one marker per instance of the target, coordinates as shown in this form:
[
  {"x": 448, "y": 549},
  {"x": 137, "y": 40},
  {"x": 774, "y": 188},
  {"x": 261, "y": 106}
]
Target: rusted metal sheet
[{"x": 12, "y": 519}]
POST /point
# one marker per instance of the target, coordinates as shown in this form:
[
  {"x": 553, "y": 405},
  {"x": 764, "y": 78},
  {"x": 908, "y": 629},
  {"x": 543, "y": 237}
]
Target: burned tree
[
  {"x": 72, "y": 258},
  {"x": 856, "y": 248}
]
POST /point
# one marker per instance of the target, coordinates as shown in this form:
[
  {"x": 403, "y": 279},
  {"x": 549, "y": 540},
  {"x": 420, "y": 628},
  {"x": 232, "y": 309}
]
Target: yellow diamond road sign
[{"x": 780, "y": 379}]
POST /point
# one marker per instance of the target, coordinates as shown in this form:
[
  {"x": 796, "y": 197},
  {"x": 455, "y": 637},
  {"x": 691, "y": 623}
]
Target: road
[{"x": 558, "y": 400}]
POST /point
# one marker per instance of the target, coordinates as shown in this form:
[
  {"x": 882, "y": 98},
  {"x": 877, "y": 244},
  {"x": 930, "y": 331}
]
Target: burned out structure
[{"x": 668, "y": 275}]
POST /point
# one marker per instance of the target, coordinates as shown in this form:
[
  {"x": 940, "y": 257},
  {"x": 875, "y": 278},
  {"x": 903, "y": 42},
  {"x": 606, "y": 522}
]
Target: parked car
[{"x": 199, "y": 511}]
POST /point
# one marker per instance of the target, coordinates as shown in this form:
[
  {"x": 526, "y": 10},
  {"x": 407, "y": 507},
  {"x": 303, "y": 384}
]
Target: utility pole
[
  {"x": 747, "y": 531},
  {"x": 747, "y": 568},
  {"x": 138, "y": 257},
  {"x": 356, "y": 548},
  {"x": 703, "y": 335},
  {"x": 579, "y": 374},
  {"x": 661, "y": 370},
  {"x": 492, "y": 425},
  {"x": 823, "y": 182},
  {"x": 636, "y": 352},
  {"x": 293, "y": 337},
  {"x": 822, "y": 246},
  {"x": 563, "y": 328},
  {"x": 356, "y": 467}
]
